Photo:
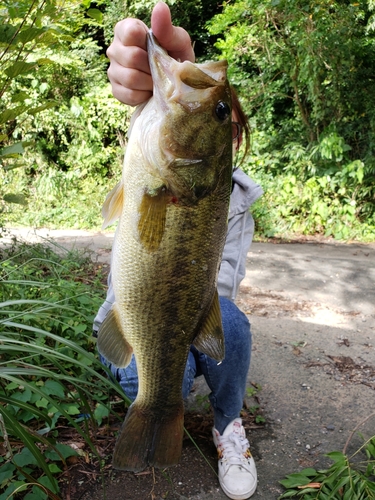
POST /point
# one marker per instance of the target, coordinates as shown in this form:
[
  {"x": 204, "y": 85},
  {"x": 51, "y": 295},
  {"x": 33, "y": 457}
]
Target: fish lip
[
  {"x": 153, "y": 46},
  {"x": 162, "y": 68},
  {"x": 153, "y": 43},
  {"x": 158, "y": 57}
]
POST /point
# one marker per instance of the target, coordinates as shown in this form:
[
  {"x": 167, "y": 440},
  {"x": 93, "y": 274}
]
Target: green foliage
[
  {"x": 14, "y": 474},
  {"x": 329, "y": 203},
  {"x": 76, "y": 155},
  {"x": 72, "y": 202},
  {"x": 300, "y": 60},
  {"x": 82, "y": 138},
  {"x": 254, "y": 409},
  {"x": 343, "y": 480},
  {"x": 49, "y": 371},
  {"x": 202, "y": 402},
  {"x": 62, "y": 110},
  {"x": 47, "y": 56},
  {"x": 305, "y": 69}
]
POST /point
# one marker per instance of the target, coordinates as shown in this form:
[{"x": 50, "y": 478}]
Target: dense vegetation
[
  {"x": 304, "y": 70},
  {"x": 307, "y": 69}
]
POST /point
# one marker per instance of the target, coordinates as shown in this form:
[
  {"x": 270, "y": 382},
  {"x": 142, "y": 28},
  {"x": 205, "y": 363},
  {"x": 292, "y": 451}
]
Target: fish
[{"x": 172, "y": 204}]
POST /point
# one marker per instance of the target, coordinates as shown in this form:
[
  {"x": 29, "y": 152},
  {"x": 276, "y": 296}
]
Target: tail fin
[{"x": 146, "y": 440}]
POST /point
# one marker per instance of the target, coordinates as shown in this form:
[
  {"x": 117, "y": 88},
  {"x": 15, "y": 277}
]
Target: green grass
[
  {"x": 50, "y": 376},
  {"x": 73, "y": 206}
]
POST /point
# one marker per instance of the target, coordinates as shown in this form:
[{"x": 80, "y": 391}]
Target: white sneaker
[{"x": 237, "y": 471}]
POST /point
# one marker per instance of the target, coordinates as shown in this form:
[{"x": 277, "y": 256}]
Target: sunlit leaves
[
  {"x": 304, "y": 70},
  {"x": 95, "y": 14},
  {"x": 7, "y": 33}
]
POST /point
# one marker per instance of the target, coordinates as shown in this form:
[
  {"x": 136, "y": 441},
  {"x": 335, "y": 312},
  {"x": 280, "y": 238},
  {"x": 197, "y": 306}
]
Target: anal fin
[
  {"x": 210, "y": 339},
  {"x": 112, "y": 343}
]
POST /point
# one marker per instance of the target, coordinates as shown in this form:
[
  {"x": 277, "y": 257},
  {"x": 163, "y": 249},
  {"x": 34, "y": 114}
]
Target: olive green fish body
[{"x": 173, "y": 205}]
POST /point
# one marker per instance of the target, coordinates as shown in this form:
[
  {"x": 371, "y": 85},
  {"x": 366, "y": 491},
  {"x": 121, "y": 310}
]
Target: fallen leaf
[{"x": 310, "y": 485}]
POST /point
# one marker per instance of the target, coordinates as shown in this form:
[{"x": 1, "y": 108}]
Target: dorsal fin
[{"x": 113, "y": 204}]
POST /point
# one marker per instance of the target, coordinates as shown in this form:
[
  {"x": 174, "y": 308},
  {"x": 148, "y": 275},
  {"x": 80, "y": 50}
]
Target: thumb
[{"x": 176, "y": 41}]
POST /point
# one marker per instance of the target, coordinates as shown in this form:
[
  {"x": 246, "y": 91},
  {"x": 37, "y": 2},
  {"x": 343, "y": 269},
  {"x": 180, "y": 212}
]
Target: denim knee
[
  {"x": 236, "y": 327},
  {"x": 126, "y": 377},
  {"x": 227, "y": 380}
]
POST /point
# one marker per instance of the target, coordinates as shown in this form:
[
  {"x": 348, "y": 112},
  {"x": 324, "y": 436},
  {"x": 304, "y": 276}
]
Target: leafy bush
[
  {"x": 48, "y": 55},
  {"x": 76, "y": 161},
  {"x": 49, "y": 371},
  {"x": 319, "y": 205},
  {"x": 304, "y": 70}
]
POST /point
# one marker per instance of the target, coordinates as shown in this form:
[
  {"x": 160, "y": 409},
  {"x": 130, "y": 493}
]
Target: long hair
[{"x": 242, "y": 120}]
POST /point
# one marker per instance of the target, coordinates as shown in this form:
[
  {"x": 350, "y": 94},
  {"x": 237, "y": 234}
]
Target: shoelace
[{"x": 234, "y": 447}]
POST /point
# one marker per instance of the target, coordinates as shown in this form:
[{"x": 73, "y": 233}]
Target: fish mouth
[{"x": 178, "y": 81}]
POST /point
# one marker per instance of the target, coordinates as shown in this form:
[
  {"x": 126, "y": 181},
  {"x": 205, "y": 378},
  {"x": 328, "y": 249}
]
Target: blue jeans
[{"x": 227, "y": 380}]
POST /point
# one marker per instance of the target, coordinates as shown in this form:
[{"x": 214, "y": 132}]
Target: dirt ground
[{"x": 311, "y": 305}]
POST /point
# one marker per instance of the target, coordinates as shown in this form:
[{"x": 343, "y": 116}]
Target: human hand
[{"x": 129, "y": 71}]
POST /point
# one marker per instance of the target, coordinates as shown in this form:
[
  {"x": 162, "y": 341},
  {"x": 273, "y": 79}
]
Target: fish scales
[{"x": 173, "y": 205}]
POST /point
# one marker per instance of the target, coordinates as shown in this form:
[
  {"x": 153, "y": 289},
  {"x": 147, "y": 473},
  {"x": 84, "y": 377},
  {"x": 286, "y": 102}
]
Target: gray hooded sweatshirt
[
  {"x": 232, "y": 271},
  {"x": 239, "y": 237}
]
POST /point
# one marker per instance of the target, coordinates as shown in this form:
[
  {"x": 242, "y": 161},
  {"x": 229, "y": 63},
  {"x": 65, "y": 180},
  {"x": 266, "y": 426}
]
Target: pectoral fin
[
  {"x": 210, "y": 339},
  {"x": 112, "y": 207},
  {"x": 112, "y": 343},
  {"x": 151, "y": 225}
]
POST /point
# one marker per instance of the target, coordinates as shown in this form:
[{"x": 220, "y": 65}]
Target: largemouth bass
[{"x": 173, "y": 205}]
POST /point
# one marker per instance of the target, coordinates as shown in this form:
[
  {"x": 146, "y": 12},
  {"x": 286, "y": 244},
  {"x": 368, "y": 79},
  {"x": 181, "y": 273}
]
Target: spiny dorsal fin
[
  {"x": 112, "y": 343},
  {"x": 151, "y": 225},
  {"x": 210, "y": 339},
  {"x": 112, "y": 207}
]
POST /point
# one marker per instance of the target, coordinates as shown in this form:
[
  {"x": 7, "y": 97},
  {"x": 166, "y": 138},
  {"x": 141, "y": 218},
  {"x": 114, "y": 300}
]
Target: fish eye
[{"x": 222, "y": 110}]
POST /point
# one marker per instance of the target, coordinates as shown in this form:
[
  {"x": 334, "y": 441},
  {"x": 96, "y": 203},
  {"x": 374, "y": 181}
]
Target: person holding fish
[{"x": 132, "y": 73}]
